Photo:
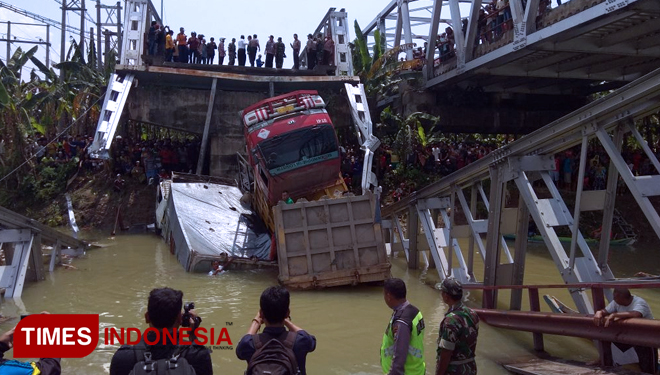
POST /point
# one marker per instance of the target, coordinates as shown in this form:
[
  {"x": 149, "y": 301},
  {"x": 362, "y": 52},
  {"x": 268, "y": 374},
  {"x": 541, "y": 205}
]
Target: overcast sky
[{"x": 213, "y": 18}]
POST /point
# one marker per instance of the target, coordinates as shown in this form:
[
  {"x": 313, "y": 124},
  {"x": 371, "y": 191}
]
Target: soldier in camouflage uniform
[{"x": 457, "y": 342}]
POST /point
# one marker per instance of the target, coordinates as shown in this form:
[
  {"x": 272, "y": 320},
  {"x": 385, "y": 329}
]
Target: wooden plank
[
  {"x": 534, "y": 305},
  {"x": 550, "y": 367}
]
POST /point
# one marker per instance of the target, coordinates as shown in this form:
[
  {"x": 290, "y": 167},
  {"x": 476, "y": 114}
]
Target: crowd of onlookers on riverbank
[
  {"x": 197, "y": 49},
  {"x": 143, "y": 161},
  {"x": 148, "y": 161},
  {"x": 441, "y": 159}
]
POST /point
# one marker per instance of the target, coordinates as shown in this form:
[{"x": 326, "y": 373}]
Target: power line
[
  {"x": 87, "y": 15},
  {"x": 46, "y": 20}
]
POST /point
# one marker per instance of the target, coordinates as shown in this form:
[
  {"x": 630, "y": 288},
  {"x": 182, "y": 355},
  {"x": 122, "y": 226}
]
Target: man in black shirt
[
  {"x": 274, "y": 313},
  {"x": 163, "y": 313}
]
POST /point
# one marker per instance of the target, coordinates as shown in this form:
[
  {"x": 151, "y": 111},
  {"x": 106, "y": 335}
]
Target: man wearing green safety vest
[
  {"x": 457, "y": 342},
  {"x": 402, "y": 351}
]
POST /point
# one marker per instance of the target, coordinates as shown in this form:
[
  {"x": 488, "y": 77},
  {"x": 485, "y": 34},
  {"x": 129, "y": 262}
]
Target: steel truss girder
[
  {"x": 399, "y": 232},
  {"x": 137, "y": 19},
  {"x": 359, "y": 107},
  {"x": 637, "y": 99},
  {"x": 532, "y": 154},
  {"x": 547, "y": 216},
  {"x": 641, "y": 187},
  {"x": 12, "y": 276},
  {"x": 579, "y": 23},
  {"x": 335, "y": 23},
  {"x": 113, "y": 105},
  {"x": 441, "y": 240},
  {"x": 405, "y": 242}
]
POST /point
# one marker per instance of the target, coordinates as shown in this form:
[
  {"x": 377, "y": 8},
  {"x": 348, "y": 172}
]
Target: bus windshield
[{"x": 299, "y": 148}]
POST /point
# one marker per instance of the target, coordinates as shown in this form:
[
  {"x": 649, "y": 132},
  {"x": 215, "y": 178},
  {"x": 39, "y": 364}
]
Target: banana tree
[
  {"x": 408, "y": 133},
  {"x": 362, "y": 59}
]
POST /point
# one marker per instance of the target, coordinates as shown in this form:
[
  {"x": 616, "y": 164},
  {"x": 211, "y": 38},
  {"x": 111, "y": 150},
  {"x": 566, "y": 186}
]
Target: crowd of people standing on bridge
[
  {"x": 495, "y": 19},
  {"x": 196, "y": 49}
]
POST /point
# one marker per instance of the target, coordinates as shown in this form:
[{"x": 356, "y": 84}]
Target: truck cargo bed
[{"x": 330, "y": 242}]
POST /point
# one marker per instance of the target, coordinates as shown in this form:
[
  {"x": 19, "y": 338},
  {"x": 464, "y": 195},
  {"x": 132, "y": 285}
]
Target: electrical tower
[
  {"x": 73, "y": 6},
  {"x": 108, "y": 15}
]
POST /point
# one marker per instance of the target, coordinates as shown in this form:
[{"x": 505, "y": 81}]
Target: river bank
[{"x": 95, "y": 205}]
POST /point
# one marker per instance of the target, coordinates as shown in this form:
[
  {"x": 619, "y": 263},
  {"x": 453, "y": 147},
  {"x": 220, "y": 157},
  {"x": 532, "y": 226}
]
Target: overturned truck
[
  {"x": 293, "y": 208},
  {"x": 329, "y": 236}
]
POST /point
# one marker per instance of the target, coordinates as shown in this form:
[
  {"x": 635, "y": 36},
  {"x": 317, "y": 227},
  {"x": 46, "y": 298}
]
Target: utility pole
[
  {"x": 106, "y": 35},
  {"x": 105, "y": 17},
  {"x": 63, "y": 41},
  {"x": 8, "y": 41},
  {"x": 48, "y": 46},
  {"x": 72, "y": 6},
  {"x": 82, "y": 28},
  {"x": 99, "y": 60},
  {"x": 120, "y": 35},
  {"x": 91, "y": 41}
]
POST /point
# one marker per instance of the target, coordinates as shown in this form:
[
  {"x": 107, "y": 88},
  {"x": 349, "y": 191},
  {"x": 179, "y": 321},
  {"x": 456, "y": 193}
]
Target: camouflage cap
[{"x": 451, "y": 286}]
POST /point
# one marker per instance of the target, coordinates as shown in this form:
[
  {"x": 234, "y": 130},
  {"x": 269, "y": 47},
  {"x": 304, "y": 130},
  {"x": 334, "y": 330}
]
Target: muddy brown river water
[{"x": 114, "y": 281}]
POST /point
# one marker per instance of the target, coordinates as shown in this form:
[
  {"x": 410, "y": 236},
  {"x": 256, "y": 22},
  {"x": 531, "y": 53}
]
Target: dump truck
[{"x": 328, "y": 236}]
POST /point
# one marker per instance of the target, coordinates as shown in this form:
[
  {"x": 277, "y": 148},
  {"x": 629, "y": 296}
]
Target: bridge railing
[
  {"x": 524, "y": 166},
  {"x": 137, "y": 20},
  {"x": 569, "y": 323}
]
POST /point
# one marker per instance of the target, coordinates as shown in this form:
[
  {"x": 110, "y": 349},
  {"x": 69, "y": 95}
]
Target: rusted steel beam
[
  {"x": 242, "y": 75},
  {"x": 535, "y": 305},
  {"x": 613, "y": 284},
  {"x": 604, "y": 347},
  {"x": 642, "y": 332}
]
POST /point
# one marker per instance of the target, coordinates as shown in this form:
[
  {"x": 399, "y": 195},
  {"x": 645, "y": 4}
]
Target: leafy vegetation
[{"x": 44, "y": 104}]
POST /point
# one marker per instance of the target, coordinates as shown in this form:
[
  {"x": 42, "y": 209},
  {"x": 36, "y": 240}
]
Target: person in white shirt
[
  {"x": 241, "y": 50},
  {"x": 626, "y": 306}
]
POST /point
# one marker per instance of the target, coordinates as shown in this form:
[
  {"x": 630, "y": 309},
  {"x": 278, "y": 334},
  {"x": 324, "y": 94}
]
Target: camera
[{"x": 187, "y": 315}]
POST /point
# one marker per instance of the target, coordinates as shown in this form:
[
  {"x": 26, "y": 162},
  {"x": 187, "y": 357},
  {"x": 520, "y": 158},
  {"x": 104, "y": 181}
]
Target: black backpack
[
  {"x": 274, "y": 357},
  {"x": 174, "y": 365}
]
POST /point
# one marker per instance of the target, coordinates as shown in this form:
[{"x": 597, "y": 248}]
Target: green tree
[{"x": 44, "y": 103}]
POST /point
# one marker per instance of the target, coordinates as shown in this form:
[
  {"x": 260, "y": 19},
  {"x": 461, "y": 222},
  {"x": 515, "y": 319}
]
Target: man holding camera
[
  {"x": 282, "y": 344},
  {"x": 164, "y": 314}
]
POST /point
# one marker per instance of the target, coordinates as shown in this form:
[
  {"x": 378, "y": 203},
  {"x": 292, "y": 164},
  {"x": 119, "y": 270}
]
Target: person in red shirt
[{"x": 193, "y": 43}]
